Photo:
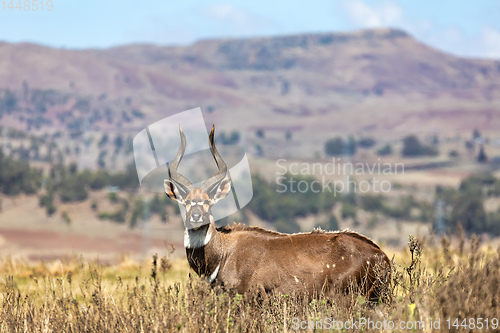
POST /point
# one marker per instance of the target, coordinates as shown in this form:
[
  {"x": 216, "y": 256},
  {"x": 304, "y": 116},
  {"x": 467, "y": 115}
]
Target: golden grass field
[{"x": 432, "y": 279}]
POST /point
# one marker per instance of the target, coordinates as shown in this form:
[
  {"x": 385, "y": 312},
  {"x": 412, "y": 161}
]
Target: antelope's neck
[
  {"x": 204, "y": 250},
  {"x": 197, "y": 238}
]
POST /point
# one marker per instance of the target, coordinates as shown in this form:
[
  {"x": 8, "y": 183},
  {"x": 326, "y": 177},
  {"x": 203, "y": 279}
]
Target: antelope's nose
[{"x": 196, "y": 216}]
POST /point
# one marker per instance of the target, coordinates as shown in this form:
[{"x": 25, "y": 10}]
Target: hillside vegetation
[
  {"x": 455, "y": 287},
  {"x": 376, "y": 82}
]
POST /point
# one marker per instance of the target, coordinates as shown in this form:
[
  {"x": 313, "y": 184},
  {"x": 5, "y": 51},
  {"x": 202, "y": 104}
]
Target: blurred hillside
[
  {"x": 68, "y": 118},
  {"x": 377, "y": 82}
]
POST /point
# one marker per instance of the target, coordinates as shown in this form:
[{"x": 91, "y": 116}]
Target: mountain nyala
[{"x": 252, "y": 259}]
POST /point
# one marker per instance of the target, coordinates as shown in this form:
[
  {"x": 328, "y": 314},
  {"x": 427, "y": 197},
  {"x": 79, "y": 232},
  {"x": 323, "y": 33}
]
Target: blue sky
[{"x": 466, "y": 28}]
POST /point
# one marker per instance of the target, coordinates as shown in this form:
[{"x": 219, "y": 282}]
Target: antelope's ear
[
  {"x": 223, "y": 190},
  {"x": 174, "y": 192}
]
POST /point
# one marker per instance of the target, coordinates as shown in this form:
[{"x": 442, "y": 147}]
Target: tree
[
  {"x": 103, "y": 141},
  {"x": 230, "y": 139},
  {"x": 481, "y": 157},
  {"x": 469, "y": 211},
  {"x": 412, "y": 147},
  {"x": 350, "y": 147},
  {"x": 367, "y": 142},
  {"x": 287, "y": 226},
  {"x": 476, "y": 134},
  {"x": 332, "y": 223},
  {"x": 371, "y": 202},
  {"x": 337, "y": 146},
  {"x": 334, "y": 146},
  {"x": 348, "y": 210},
  {"x": 118, "y": 143},
  {"x": 9, "y": 101},
  {"x": 385, "y": 150},
  {"x": 73, "y": 189}
]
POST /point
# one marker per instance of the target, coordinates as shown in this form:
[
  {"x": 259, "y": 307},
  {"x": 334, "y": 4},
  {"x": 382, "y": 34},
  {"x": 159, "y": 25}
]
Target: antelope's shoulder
[{"x": 241, "y": 229}]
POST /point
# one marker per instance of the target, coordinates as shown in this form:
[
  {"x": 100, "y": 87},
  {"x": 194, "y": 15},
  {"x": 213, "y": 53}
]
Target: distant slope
[{"x": 381, "y": 81}]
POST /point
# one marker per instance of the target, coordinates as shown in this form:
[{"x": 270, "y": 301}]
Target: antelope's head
[{"x": 198, "y": 201}]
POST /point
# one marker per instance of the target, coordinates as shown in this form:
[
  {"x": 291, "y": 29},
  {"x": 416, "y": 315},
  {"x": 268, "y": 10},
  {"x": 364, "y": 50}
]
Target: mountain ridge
[{"x": 379, "y": 81}]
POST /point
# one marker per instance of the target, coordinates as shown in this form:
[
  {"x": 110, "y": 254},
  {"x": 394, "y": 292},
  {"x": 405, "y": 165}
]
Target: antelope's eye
[
  {"x": 187, "y": 202},
  {"x": 207, "y": 202}
]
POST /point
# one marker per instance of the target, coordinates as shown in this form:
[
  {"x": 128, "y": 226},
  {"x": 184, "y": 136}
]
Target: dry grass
[{"x": 73, "y": 295}]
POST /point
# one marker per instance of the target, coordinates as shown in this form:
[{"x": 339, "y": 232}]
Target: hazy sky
[{"x": 467, "y": 28}]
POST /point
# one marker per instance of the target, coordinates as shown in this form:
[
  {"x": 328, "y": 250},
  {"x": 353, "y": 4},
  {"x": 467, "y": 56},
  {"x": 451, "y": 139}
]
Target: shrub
[
  {"x": 337, "y": 146},
  {"x": 98, "y": 180},
  {"x": 287, "y": 226},
  {"x": 372, "y": 202},
  {"x": 332, "y": 223},
  {"x": 17, "y": 177},
  {"x": 288, "y": 203},
  {"x": 412, "y": 147},
  {"x": 348, "y": 210},
  {"x": 367, "y": 142},
  {"x": 334, "y": 147},
  {"x": 73, "y": 188}
]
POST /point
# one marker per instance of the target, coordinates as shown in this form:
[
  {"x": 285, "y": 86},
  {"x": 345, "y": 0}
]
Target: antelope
[{"x": 245, "y": 259}]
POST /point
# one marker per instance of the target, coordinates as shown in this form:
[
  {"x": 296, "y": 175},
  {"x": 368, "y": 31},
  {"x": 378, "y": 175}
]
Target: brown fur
[{"x": 318, "y": 262}]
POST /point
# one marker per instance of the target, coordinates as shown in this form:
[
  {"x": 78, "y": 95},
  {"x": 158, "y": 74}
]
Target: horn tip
[{"x": 211, "y": 137}]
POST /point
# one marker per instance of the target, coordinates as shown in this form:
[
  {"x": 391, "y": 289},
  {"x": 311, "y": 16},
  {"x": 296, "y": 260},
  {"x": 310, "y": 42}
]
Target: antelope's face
[
  {"x": 198, "y": 201},
  {"x": 198, "y": 206}
]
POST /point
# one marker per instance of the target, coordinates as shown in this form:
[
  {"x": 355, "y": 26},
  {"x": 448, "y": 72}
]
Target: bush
[
  {"x": 103, "y": 140},
  {"x": 495, "y": 189},
  {"x": 287, "y": 226},
  {"x": 367, "y": 142},
  {"x": 230, "y": 139},
  {"x": 348, "y": 210},
  {"x": 469, "y": 211},
  {"x": 412, "y": 147},
  {"x": 113, "y": 197},
  {"x": 17, "y": 177},
  {"x": 47, "y": 201},
  {"x": 66, "y": 218},
  {"x": 270, "y": 205},
  {"x": 73, "y": 189},
  {"x": 372, "y": 202},
  {"x": 332, "y": 223},
  {"x": 334, "y": 147},
  {"x": 493, "y": 223},
  {"x": 137, "y": 211},
  {"x": 125, "y": 180},
  {"x": 117, "y": 216},
  {"x": 98, "y": 180},
  {"x": 467, "y": 204},
  {"x": 402, "y": 210},
  {"x": 337, "y": 146},
  {"x": 481, "y": 157}
]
